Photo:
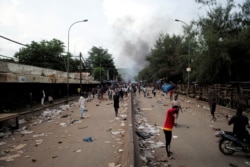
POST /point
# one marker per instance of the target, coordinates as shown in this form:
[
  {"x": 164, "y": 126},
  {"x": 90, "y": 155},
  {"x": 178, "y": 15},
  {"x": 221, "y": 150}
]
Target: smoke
[
  {"x": 136, "y": 25},
  {"x": 133, "y": 56},
  {"x": 132, "y": 48},
  {"x": 134, "y": 40}
]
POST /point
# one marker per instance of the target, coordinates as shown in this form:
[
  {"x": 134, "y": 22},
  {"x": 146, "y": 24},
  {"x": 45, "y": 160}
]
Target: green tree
[
  {"x": 165, "y": 60},
  {"x": 219, "y": 47},
  {"x": 103, "y": 64},
  {"x": 223, "y": 55},
  {"x": 47, "y": 54}
]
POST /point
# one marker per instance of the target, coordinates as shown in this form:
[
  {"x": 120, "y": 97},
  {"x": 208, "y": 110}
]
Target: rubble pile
[{"x": 147, "y": 138}]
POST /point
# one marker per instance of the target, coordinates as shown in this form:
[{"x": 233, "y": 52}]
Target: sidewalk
[{"x": 38, "y": 107}]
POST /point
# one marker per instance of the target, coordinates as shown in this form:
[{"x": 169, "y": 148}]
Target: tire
[{"x": 226, "y": 143}]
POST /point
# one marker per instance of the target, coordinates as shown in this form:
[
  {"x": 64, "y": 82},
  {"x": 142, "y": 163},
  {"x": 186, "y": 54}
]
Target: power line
[{"x": 13, "y": 41}]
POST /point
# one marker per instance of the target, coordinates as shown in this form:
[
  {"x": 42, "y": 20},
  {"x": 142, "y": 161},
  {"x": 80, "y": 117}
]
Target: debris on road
[{"x": 88, "y": 139}]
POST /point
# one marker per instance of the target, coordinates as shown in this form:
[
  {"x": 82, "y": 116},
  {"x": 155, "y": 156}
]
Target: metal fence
[{"x": 230, "y": 95}]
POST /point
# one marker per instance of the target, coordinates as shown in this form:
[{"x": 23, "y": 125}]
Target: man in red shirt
[{"x": 168, "y": 126}]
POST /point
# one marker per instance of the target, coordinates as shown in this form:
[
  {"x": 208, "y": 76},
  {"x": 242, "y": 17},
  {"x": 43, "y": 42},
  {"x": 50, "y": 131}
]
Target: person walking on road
[
  {"x": 81, "y": 103},
  {"x": 116, "y": 99},
  {"x": 212, "y": 106},
  {"x": 154, "y": 91},
  {"x": 240, "y": 124},
  {"x": 168, "y": 126}
]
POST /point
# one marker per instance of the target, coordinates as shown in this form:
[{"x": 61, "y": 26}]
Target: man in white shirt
[
  {"x": 176, "y": 103},
  {"x": 81, "y": 103}
]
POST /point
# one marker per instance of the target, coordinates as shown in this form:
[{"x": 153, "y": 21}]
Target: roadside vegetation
[{"x": 215, "y": 47}]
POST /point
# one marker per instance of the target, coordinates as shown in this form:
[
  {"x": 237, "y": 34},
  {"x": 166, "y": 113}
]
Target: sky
[{"x": 128, "y": 29}]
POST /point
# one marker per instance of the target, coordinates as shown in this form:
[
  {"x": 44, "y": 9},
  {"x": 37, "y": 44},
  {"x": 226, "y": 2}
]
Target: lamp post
[
  {"x": 80, "y": 72},
  {"x": 188, "y": 68},
  {"x": 100, "y": 70},
  {"x": 68, "y": 59}
]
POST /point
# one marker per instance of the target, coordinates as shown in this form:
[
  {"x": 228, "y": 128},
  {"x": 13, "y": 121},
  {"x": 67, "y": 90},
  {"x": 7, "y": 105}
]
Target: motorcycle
[{"x": 229, "y": 144}]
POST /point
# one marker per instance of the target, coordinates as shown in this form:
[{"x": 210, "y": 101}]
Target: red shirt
[{"x": 169, "y": 122}]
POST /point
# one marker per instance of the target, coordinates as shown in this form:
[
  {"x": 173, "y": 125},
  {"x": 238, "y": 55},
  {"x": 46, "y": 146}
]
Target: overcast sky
[{"x": 126, "y": 28}]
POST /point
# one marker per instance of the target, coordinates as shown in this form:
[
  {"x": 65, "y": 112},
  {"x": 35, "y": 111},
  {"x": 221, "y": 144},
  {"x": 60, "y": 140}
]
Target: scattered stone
[
  {"x": 82, "y": 127},
  {"x": 163, "y": 160},
  {"x": 216, "y": 129},
  {"x": 20, "y": 146},
  {"x": 78, "y": 151},
  {"x": 233, "y": 165},
  {"x": 64, "y": 116}
]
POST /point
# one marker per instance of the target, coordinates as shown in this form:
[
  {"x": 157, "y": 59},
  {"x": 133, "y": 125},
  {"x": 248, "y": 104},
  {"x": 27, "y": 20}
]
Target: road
[
  {"x": 57, "y": 139},
  {"x": 56, "y": 136},
  {"x": 194, "y": 142}
]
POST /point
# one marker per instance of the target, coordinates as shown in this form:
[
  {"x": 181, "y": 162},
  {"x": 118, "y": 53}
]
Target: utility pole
[
  {"x": 188, "y": 69},
  {"x": 80, "y": 72}
]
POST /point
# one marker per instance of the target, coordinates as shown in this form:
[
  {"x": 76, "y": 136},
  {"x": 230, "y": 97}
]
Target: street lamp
[
  {"x": 68, "y": 58},
  {"x": 188, "y": 68},
  {"x": 100, "y": 69},
  {"x": 80, "y": 72}
]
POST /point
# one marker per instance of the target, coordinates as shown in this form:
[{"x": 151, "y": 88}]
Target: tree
[
  {"x": 165, "y": 60},
  {"x": 223, "y": 55},
  {"x": 103, "y": 64},
  {"x": 47, "y": 54},
  {"x": 219, "y": 47}
]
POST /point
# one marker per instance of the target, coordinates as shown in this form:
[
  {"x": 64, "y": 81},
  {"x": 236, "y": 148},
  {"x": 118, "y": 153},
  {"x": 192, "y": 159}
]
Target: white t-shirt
[
  {"x": 176, "y": 103},
  {"x": 81, "y": 102}
]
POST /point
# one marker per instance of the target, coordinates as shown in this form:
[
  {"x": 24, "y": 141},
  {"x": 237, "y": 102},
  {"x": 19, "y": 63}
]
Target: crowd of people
[{"x": 116, "y": 94}]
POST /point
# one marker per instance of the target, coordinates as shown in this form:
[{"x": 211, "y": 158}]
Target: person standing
[
  {"x": 94, "y": 91},
  {"x": 125, "y": 90},
  {"x": 110, "y": 94},
  {"x": 42, "y": 97},
  {"x": 168, "y": 126},
  {"x": 121, "y": 93},
  {"x": 154, "y": 91},
  {"x": 78, "y": 91},
  {"x": 176, "y": 103},
  {"x": 176, "y": 96},
  {"x": 171, "y": 94},
  {"x": 213, "y": 108},
  {"x": 81, "y": 104},
  {"x": 116, "y": 102},
  {"x": 240, "y": 124}
]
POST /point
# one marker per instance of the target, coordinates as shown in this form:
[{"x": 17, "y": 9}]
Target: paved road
[
  {"x": 194, "y": 143},
  {"x": 52, "y": 141}
]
